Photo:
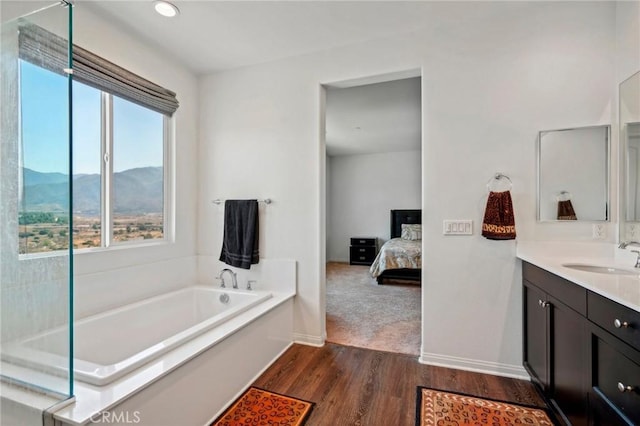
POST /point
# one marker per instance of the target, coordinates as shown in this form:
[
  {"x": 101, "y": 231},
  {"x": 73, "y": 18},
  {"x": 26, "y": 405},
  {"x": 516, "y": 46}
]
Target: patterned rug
[
  {"x": 437, "y": 407},
  {"x": 258, "y": 407}
]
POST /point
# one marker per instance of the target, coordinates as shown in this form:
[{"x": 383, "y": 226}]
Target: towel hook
[
  {"x": 499, "y": 178},
  {"x": 563, "y": 196}
]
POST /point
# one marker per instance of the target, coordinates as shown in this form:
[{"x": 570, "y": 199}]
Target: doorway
[{"x": 373, "y": 140}]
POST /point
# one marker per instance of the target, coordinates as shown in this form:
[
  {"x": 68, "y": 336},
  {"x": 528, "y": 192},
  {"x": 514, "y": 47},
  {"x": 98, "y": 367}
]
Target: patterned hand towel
[
  {"x": 240, "y": 241},
  {"x": 565, "y": 211},
  {"x": 499, "y": 221}
]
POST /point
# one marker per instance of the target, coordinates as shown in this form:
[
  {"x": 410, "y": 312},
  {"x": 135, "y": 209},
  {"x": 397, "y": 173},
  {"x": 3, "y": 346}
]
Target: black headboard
[{"x": 398, "y": 217}]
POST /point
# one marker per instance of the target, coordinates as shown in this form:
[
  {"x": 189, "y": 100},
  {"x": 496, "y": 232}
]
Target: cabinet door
[
  {"x": 569, "y": 363},
  {"x": 536, "y": 335}
]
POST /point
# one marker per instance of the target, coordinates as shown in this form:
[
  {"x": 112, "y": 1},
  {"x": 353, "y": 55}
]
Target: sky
[{"x": 137, "y": 135}]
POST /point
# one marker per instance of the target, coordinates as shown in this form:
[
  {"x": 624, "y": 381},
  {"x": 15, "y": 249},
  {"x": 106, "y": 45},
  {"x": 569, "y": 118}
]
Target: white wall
[
  {"x": 492, "y": 78},
  {"x": 627, "y": 39},
  {"x": 361, "y": 189}
]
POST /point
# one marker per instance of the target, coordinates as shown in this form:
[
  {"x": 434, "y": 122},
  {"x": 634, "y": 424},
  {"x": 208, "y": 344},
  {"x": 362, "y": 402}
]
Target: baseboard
[
  {"x": 495, "y": 368},
  {"x": 307, "y": 339}
]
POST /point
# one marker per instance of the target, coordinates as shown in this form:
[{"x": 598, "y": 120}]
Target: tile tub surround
[{"x": 550, "y": 256}]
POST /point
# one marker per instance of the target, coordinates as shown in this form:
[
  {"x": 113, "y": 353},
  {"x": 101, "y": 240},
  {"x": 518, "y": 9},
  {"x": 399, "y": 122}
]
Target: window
[{"x": 120, "y": 151}]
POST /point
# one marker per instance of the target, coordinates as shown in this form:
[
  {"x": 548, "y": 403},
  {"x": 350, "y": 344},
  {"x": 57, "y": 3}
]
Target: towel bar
[{"x": 266, "y": 201}]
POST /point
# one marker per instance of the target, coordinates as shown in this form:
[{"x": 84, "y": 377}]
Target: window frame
[
  {"x": 106, "y": 185},
  {"x": 107, "y": 179}
]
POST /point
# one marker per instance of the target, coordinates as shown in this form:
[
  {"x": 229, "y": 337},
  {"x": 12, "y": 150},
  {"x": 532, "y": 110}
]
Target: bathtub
[{"x": 113, "y": 343}]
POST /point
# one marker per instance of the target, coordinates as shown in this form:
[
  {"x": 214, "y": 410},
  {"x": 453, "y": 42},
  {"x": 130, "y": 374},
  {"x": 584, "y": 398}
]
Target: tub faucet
[
  {"x": 637, "y": 258},
  {"x": 234, "y": 279},
  {"x": 624, "y": 244}
]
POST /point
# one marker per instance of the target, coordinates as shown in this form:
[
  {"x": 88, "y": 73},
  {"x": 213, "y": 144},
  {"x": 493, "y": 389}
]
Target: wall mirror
[
  {"x": 629, "y": 94},
  {"x": 573, "y": 174}
]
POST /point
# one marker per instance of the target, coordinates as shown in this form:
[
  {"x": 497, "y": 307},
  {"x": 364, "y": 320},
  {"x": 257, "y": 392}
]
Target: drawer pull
[
  {"x": 620, "y": 324},
  {"x": 623, "y": 388},
  {"x": 542, "y": 303},
  {"x": 361, "y": 250},
  {"x": 362, "y": 257}
]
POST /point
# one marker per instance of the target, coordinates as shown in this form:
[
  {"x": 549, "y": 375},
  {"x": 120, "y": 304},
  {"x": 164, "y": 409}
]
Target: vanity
[
  {"x": 581, "y": 336},
  {"x": 581, "y": 300}
]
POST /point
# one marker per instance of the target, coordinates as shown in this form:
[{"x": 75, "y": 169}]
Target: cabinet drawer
[
  {"x": 612, "y": 317},
  {"x": 601, "y": 413},
  {"x": 362, "y": 254},
  {"x": 356, "y": 241},
  {"x": 617, "y": 365},
  {"x": 565, "y": 291}
]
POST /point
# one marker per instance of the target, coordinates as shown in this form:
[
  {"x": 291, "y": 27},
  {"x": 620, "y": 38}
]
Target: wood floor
[{"x": 356, "y": 386}]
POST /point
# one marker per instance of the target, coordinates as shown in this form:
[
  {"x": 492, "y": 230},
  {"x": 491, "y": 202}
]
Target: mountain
[
  {"x": 31, "y": 177},
  {"x": 136, "y": 191}
]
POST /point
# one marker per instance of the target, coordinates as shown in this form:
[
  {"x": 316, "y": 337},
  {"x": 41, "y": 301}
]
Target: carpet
[
  {"x": 364, "y": 314},
  {"x": 436, "y": 407},
  {"x": 258, "y": 407}
]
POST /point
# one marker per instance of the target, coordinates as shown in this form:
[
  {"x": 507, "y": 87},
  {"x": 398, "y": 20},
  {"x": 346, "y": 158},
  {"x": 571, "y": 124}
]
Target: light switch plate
[{"x": 457, "y": 227}]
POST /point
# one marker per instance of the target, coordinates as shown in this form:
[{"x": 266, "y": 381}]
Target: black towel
[{"x": 240, "y": 241}]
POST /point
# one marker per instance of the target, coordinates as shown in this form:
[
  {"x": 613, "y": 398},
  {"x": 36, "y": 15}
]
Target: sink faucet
[
  {"x": 624, "y": 244},
  {"x": 234, "y": 279},
  {"x": 637, "y": 258}
]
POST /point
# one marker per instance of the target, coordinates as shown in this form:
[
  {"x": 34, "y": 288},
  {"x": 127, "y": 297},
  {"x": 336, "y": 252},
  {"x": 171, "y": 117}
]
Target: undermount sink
[{"x": 600, "y": 269}]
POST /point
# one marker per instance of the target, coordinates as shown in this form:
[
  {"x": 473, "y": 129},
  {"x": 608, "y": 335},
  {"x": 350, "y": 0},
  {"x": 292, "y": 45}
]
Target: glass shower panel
[{"x": 36, "y": 283}]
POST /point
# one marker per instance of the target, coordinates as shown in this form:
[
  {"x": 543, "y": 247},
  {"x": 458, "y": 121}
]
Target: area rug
[
  {"x": 436, "y": 407},
  {"x": 258, "y": 407}
]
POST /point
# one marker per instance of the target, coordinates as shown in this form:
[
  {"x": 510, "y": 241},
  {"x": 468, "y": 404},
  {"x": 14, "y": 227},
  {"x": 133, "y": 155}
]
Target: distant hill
[{"x": 136, "y": 191}]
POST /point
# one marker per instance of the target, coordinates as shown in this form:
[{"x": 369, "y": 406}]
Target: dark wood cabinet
[
  {"x": 581, "y": 349},
  {"x": 363, "y": 250},
  {"x": 536, "y": 336},
  {"x": 555, "y": 342},
  {"x": 615, "y": 359},
  {"x": 569, "y": 362}
]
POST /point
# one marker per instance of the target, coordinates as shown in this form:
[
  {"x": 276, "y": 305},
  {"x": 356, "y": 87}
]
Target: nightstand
[{"x": 363, "y": 250}]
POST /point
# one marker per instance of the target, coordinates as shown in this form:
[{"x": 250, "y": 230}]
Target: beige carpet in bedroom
[{"x": 364, "y": 314}]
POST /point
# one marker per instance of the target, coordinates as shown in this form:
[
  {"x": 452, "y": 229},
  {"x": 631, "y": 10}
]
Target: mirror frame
[
  {"x": 607, "y": 173},
  {"x": 627, "y": 230}
]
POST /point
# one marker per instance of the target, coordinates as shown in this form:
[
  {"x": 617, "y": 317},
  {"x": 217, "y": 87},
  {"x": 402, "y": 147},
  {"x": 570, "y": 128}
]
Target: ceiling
[
  {"x": 209, "y": 35},
  {"x": 374, "y": 118}
]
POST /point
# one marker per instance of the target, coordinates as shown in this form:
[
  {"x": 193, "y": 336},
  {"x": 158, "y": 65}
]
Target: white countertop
[{"x": 624, "y": 289}]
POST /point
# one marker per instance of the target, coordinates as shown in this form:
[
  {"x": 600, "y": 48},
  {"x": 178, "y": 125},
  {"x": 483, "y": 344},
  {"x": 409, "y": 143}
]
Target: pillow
[{"x": 411, "y": 231}]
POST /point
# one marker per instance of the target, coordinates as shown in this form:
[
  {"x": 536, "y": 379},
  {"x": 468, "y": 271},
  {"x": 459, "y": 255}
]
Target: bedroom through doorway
[{"x": 373, "y": 187}]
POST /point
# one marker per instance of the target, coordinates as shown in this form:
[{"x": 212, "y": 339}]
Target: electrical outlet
[
  {"x": 632, "y": 231},
  {"x": 598, "y": 231}
]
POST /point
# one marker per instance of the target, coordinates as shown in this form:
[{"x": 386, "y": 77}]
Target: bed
[{"x": 399, "y": 258}]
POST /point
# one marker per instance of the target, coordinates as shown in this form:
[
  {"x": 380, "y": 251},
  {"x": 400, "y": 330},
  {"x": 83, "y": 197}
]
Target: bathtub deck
[{"x": 360, "y": 386}]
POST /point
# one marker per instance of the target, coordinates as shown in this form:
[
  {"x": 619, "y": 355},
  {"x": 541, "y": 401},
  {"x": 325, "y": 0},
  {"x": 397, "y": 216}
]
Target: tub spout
[{"x": 234, "y": 278}]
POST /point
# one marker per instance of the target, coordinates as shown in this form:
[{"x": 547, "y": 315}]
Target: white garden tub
[{"x": 113, "y": 343}]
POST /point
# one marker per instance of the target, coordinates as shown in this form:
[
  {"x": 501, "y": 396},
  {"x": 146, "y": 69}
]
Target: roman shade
[{"x": 50, "y": 51}]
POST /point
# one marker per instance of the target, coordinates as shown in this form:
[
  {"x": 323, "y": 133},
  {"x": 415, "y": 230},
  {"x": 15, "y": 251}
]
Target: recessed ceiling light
[{"x": 165, "y": 8}]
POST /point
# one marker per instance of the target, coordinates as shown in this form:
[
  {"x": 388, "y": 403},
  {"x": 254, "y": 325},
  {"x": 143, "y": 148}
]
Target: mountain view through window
[{"x": 130, "y": 136}]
